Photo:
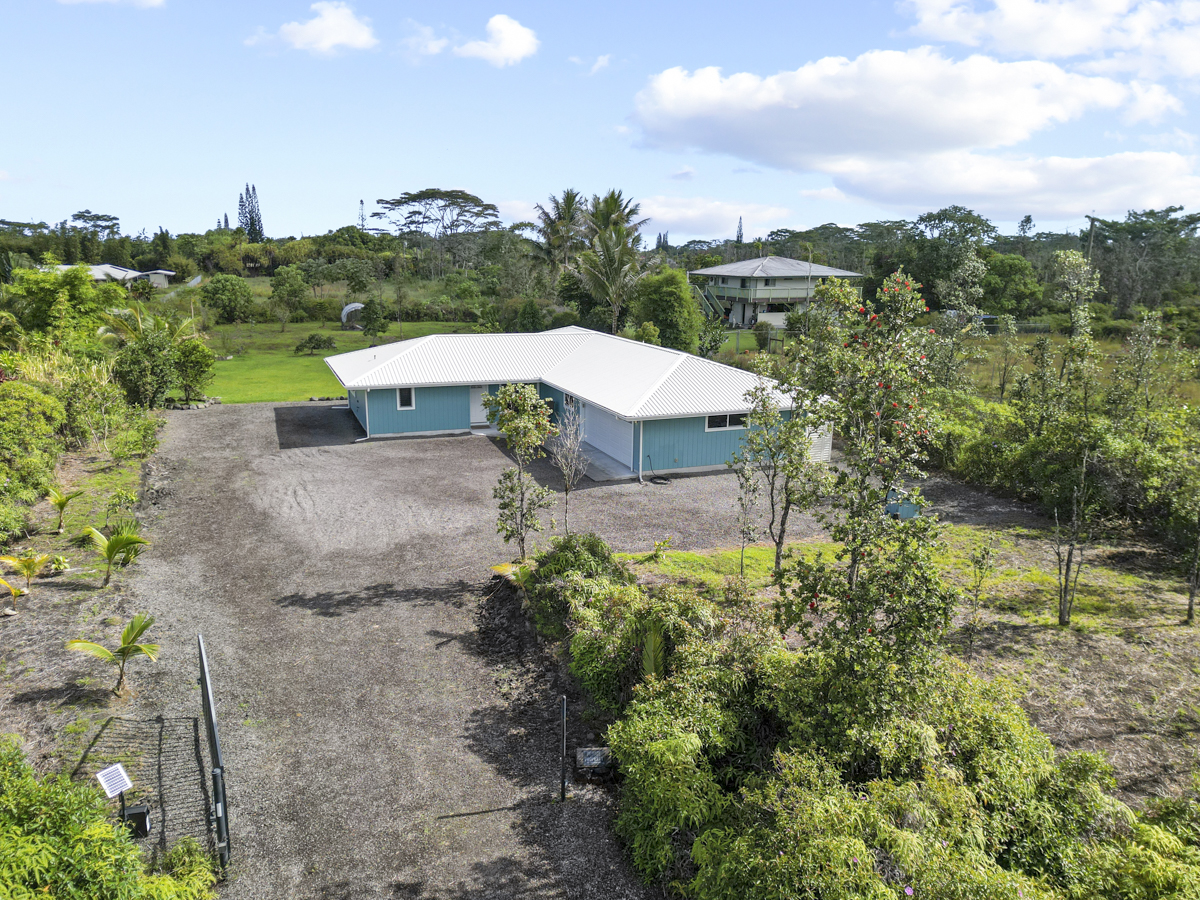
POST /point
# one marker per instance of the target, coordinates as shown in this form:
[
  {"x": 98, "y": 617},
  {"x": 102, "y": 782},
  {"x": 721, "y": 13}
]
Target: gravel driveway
[{"x": 370, "y": 751}]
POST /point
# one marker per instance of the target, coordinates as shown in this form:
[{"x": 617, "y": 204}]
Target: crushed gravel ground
[{"x": 387, "y": 732}]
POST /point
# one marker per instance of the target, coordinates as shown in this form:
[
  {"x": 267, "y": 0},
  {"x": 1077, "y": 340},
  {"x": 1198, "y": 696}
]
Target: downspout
[
  {"x": 367, "y": 412},
  {"x": 641, "y": 448}
]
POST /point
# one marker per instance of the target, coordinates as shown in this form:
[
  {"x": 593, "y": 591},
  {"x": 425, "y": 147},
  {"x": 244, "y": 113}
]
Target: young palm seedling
[
  {"x": 59, "y": 501},
  {"x": 28, "y": 566},
  {"x": 12, "y": 610},
  {"x": 129, "y": 648},
  {"x": 121, "y": 548}
]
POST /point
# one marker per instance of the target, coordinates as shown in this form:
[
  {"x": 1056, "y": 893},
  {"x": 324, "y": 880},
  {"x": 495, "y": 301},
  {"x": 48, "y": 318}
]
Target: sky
[{"x": 785, "y": 114}]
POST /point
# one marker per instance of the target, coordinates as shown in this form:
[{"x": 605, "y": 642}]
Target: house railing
[{"x": 220, "y": 804}]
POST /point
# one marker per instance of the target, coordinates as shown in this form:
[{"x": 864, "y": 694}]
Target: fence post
[{"x": 562, "y": 786}]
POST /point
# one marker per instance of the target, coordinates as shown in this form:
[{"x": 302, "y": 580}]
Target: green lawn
[{"x": 264, "y": 369}]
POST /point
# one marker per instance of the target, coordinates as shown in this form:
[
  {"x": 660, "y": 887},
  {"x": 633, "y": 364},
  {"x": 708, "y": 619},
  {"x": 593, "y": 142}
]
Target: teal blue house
[{"x": 649, "y": 409}]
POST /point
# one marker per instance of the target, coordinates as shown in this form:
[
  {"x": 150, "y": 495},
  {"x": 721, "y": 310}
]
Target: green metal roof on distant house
[{"x": 775, "y": 267}]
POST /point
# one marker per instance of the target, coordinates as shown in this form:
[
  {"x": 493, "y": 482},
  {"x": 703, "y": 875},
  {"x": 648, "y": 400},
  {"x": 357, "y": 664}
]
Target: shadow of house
[{"x": 315, "y": 425}]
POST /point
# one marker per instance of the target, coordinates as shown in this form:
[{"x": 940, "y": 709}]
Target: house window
[
  {"x": 766, "y": 282},
  {"x": 404, "y": 398},
  {"x": 724, "y": 421},
  {"x": 724, "y": 280},
  {"x": 745, "y": 282}
]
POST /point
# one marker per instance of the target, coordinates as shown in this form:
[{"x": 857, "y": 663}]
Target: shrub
[
  {"x": 314, "y": 342},
  {"x": 762, "y": 335},
  {"x": 193, "y": 364},
  {"x": 230, "y": 298},
  {"x": 57, "y": 840},
  {"x": 145, "y": 371},
  {"x": 29, "y": 444}
]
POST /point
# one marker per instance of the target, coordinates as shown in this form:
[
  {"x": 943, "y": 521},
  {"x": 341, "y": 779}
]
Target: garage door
[{"x": 608, "y": 434}]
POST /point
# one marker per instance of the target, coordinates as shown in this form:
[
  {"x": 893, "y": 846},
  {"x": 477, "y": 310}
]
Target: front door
[{"x": 478, "y": 413}]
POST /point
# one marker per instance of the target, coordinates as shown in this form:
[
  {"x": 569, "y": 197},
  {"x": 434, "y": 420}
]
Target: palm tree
[
  {"x": 610, "y": 270},
  {"x": 59, "y": 501},
  {"x": 613, "y": 209},
  {"x": 561, "y": 229},
  {"x": 13, "y": 591},
  {"x": 129, "y": 648},
  {"x": 120, "y": 545},
  {"x": 28, "y": 566},
  {"x": 125, "y": 326}
]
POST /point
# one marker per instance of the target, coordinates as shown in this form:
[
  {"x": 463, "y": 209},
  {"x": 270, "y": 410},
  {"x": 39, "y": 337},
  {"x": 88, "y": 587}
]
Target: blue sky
[{"x": 790, "y": 115}]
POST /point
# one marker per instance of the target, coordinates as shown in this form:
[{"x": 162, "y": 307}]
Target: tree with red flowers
[{"x": 880, "y": 602}]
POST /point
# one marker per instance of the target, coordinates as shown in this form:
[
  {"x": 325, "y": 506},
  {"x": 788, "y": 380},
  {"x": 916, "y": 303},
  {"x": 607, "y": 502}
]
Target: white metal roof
[
  {"x": 628, "y": 378},
  {"x": 110, "y": 272},
  {"x": 775, "y": 267}
]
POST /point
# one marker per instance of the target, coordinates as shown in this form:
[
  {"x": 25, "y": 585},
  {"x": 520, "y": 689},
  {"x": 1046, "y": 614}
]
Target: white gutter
[{"x": 641, "y": 449}]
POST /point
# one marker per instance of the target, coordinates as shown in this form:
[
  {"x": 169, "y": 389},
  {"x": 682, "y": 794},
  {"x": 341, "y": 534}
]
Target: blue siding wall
[
  {"x": 548, "y": 393},
  {"x": 683, "y": 443},
  {"x": 355, "y": 400},
  {"x": 435, "y": 409}
]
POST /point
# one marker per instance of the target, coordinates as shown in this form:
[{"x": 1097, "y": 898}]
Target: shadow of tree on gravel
[
  {"x": 572, "y": 849},
  {"x": 65, "y": 693},
  {"x": 332, "y": 604}
]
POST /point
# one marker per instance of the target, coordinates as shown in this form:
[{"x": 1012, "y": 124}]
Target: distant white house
[
  {"x": 764, "y": 289},
  {"x": 108, "y": 272}
]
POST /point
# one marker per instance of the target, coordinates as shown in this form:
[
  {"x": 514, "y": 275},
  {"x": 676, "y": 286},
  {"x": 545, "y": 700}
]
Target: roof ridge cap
[
  {"x": 412, "y": 345},
  {"x": 637, "y": 407}
]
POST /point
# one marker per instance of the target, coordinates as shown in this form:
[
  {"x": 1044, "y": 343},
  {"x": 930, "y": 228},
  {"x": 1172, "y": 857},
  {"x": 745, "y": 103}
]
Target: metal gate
[{"x": 220, "y": 806}]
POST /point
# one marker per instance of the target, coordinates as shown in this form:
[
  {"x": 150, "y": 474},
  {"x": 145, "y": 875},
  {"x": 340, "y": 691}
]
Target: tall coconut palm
[
  {"x": 561, "y": 228},
  {"x": 120, "y": 546},
  {"x": 610, "y": 270},
  {"x": 611, "y": 210},
  {"x": 28, "y": 566},
  {"x": 59, "y": 501},
  {"x": 128, "y": 649}
]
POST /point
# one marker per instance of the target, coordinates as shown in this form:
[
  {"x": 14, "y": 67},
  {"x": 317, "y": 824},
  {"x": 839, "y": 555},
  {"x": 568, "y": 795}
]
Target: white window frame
[
  {"x": 726, "y": 427},
  {"x": 413, "y": 392}
]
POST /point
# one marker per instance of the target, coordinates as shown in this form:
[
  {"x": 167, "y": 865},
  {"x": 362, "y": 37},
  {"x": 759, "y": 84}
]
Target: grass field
[{"x": 264, "y": 369}]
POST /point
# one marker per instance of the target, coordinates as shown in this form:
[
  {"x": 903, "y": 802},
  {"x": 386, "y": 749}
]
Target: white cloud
[
  {"x": 825, "y": 193},
  {"x": 705, "y": 216},
  {"x": 1151, "y": 36},
  {"x": 142, "y": 3},
  {"x": 517, "y": 211},
  {"x": 882, "y": 104},
  {"x": 1053, "y": 187},
  {"x": 600, "y": 63},
  {"x": 1178, "y": 138},
  {"x": 687, "y": 173},
  {"x": 334, "y": 26},
  {"x": 423, "y": 41},
  {"x": 508, "y": 42}
]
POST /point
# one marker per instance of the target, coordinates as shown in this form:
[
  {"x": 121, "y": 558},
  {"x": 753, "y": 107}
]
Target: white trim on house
[{"x": 412, "y": 396}]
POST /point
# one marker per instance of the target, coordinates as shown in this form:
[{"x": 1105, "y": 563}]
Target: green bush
[
  {"x": 762, "y": 335},
  {"x": 58, "y": 839},
  {"x": 138, "y": 439},
  {"x": 30, "y": 421},
  {"x": 144, "y": 370},
  {"x": 314, "y": 342},
  {"x": 230, "y": 298},
  {"x": 193, "y": 364}
]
